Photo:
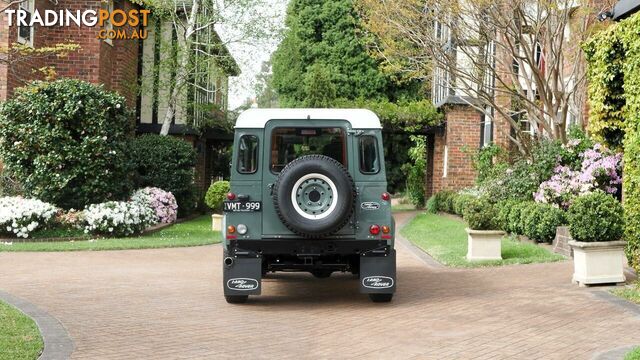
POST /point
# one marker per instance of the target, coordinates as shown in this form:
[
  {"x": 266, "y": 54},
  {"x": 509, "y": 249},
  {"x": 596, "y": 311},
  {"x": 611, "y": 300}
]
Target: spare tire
[{"x": 314, "y": 196}]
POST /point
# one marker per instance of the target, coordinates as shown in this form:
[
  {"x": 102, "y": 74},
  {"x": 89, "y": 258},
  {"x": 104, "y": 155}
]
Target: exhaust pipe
[{"x": 228, "y": 261}]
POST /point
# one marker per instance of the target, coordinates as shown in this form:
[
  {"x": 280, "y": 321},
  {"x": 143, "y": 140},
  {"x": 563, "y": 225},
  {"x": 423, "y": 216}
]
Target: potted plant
[
  {"x": 214, "y": 198},
  {"x": 484, "y": 241},
  {"x": 596, "y": 224}
]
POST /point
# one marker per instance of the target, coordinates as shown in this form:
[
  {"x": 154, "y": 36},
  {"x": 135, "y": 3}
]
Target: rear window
[
  {"x": 288, "y": 144},
  {"x": 248, "y": 154},
  {"x": 368, "y": 149}
]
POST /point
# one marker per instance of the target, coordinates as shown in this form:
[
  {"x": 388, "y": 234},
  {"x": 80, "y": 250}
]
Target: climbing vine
[{"x": 614, "y": 98}]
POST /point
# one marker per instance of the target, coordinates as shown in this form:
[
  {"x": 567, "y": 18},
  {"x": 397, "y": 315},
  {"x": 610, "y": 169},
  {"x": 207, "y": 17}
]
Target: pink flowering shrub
[
  {"x": 163, "y": 203},
  {"x": 600, "y": 169}
]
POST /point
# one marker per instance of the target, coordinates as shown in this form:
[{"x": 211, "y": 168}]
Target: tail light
[
  {"x": 386, "y": 196},
  {"x": 231, "y": 196},
  {"x": 385, "y": 229},
  {"x": 374, "y": 229},
  {"x": 231, "y": 229}
]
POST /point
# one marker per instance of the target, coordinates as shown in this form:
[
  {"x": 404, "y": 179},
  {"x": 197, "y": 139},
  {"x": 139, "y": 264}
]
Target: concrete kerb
[{"x": 57, "y": 343}]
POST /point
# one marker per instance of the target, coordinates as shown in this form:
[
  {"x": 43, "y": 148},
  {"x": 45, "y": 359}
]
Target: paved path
[{"x": 168, "y": 303}]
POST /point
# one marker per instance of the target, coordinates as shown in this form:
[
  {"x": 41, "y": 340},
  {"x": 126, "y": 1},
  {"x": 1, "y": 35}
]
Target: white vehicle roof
[{"x": 258, "y": 118}]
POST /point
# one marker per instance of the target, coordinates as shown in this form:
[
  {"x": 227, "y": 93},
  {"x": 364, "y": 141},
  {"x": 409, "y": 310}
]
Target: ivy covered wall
[{"x": 614, "y": 99}]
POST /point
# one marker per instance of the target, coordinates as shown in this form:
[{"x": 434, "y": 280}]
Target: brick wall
[
  {"x": 114, "y": 65},
  {"x": 461, "y": 138}
]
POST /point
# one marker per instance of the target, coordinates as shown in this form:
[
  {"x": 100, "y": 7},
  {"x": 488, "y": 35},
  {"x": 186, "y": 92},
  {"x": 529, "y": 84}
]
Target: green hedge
[
  {"x": 535, "y": 220},
  {"x": 66, "y": 142},
  {"x": 167, "y": 163}
]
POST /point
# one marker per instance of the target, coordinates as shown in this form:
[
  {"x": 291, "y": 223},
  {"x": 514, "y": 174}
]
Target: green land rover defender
[{"x": 308, "y": 193}]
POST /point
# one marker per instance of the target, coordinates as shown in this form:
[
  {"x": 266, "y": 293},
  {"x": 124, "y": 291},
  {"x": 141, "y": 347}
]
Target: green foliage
[
  {"x": 324, "y": 32},
  {"x": 515, "y": 216},
  {"x": 320, "y": 91},
  {"x": 9, "y": 186},
  {"x": 503, "y": 209},
  {"x": 432, "y": 204},
  {"x": 613, "y": 57},
  {"x": 216, "y": 194},
  {"x": 167, "y": 163},
  {"x": 416, "y": 171},
  {"x": 550, "y": 219},
  {"x": 606, "y": 55},
  {"x": 489, "y": 162},
  {"x": 479, "y": 214},
  {"x": 460, "y": 202},
  {"x": 596, "y": 217},
  {"x": 66, "y": 142}
]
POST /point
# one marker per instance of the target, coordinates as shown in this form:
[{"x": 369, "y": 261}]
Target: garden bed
[
  {"x": 445, "y": 239},
  {"x": 193, "y": 232},
  {"x": 19, "y": 335}
]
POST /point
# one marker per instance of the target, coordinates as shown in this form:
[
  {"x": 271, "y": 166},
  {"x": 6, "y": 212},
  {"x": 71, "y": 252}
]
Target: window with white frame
[
  {"x": 26, "y": 33},
  {"x": 107, "y": 26},
  {"x": 486, "y": 129}
]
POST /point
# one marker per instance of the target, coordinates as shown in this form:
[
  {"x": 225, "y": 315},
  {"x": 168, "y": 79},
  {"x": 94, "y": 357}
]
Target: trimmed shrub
[
  {"x": 118, "y": 218},
  {"x": 66, "y": 142},
  {"x": 514, "y": 217},
  {"x": 167, "y": 163},
  {"x": 503, "y": 209},
  {"x": 551, "y": 218},
  {"x": 163, "y": 203},
  {"x": 596, "y": 217},
  {"x": 479, "y": 214},
  {"x": 460, "y": 202},
  {"x": 216, "y": 194},
  {"x": 20, "y": 217},
  {"x": 446, "y": 201},
  {"x": 527, "y": 211}
]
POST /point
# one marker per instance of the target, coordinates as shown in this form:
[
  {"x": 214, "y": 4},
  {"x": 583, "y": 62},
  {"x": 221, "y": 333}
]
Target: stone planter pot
[
  {"x": 484, "y": 244},
  {"x": 598, "y": 262},
  {"x": 217, "y": 222}
]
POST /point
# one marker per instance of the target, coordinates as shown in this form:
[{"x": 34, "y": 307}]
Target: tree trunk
[{"x": 181, "y": 70}]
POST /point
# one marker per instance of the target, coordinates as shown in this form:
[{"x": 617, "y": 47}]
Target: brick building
[
  {"x": 120, "y": 65},
  {"x": 466, "y": 128}
]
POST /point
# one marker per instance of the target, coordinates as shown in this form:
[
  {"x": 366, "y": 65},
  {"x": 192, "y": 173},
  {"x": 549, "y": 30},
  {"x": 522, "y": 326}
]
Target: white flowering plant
[
  {"x": 20, "y": 216},
  {"x": 163, "y": 203},
  {"x": 118, "y": 218}
]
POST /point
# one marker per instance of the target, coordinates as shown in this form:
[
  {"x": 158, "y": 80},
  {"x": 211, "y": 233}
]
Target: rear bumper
[{"x": 306, "y": 247}]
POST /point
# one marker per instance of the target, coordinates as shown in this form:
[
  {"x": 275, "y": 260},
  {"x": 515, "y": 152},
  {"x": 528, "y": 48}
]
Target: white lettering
[
  {"x": 70, "y": 17},
  {"x": 91, "y": 20},
  {"x": 50, "y": 18},
  {"x": 22, "y": 16},
  {"x": 10, "y": 13}
]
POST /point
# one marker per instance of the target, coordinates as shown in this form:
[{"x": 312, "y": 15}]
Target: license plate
[{"x": 242, "y": 206}]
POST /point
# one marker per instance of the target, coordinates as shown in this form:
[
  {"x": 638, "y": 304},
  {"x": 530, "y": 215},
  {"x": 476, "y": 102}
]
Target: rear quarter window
[
  {"x": 368, "y": 154},
  {"x": 248, "y": 154}
]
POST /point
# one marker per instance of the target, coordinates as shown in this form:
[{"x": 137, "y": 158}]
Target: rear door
[
  {"x": 371, "y": 182},
  {"x": 286, "y": 140},
  {"x": 246, "y": 180}
]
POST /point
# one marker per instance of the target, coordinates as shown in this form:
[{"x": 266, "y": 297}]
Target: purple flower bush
[
  {"x": 163, "y": 203},
  {"x": 600, "y": 169}
]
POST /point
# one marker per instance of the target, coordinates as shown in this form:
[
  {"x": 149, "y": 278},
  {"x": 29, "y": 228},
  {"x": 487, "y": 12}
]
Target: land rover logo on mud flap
[
  {"x": 370, "y": 206},
  {"x": 377, "y": 282},
  {"x": 242, "y": 284}
]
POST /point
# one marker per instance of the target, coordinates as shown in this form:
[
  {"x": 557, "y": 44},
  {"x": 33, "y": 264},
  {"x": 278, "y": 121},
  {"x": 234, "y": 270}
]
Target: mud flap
[
  {"x": 242, "y": 276},
  {"x": 378, "y": 273}
]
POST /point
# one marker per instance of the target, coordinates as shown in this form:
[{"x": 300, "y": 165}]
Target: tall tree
[
  {"x": 520, "y": 58},
  {"x": 324, "y": 56}
]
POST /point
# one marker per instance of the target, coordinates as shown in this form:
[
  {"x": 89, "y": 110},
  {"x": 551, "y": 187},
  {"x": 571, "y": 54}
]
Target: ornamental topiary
[
  {"x": 531, "y": 217},
  {"x": 216, "y": 194},
  {"x": 479, "y": 214},
  {"x": 596, "y": 217},
  {"x": 503, "y": 209},
  {"x": 167, "y": 163},
  {"x": 66, "y": 142}
]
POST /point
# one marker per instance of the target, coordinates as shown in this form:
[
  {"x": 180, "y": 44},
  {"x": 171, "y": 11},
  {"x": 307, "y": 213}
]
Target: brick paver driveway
[{"x": 168, "y": 303}]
